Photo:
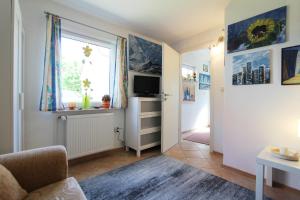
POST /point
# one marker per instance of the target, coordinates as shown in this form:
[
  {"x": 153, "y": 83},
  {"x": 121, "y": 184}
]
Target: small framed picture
[
  {"x": 290, "y": 65},
  {"x": 205, "y": 68},
  {"x": 188, "y": 91},
  {"x": 204, "y": 81}
]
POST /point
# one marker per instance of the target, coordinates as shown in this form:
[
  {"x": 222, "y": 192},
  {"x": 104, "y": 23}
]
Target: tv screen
[{"x": 146, "y": 85}]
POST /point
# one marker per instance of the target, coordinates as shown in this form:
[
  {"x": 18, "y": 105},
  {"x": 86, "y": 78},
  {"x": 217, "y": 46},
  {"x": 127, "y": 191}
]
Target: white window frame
[
  {"x": 98, "y": 42},
  {"x": 189, "y": 67}
]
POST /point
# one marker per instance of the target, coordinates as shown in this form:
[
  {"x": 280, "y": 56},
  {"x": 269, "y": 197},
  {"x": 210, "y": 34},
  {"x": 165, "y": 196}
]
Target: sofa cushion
[
  {"x": 37, "y": 168},
  {"x": 67, "y": 189},
  {"x": 9, "y": 186}
]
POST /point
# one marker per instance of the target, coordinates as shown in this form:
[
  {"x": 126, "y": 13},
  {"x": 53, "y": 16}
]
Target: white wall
[
  {"x": 196, "y": 114},
  {"x": 6, "y": 83},
  {"x": 41, "y": 128},
  {"x": 260, "y": 115}
]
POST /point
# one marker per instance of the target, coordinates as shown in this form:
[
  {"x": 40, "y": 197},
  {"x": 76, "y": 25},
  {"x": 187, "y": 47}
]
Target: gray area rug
[{"x": 162, "y": 178}]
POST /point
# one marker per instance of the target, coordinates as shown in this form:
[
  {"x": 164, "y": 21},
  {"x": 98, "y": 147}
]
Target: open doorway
[{"x": 195, "y": 102}]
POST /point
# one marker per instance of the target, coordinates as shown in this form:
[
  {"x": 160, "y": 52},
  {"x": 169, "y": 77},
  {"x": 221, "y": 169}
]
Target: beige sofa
[{"x": 43, "y": 173}]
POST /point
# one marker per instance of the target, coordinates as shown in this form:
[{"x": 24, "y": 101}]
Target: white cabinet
[{"x": 143, "y": 123}]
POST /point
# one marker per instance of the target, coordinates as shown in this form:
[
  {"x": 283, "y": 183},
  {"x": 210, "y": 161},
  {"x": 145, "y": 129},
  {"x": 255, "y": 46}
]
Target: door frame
[
  {"x": 180, "y": 100},
  {"x": 211, "y": 120},
  {"x": 18, "y": 77}
]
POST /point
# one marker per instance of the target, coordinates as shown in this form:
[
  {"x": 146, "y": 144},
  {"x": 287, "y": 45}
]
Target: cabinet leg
[
  {"x": 127, "y": 148},
  {"x": 138, "y": 153}
]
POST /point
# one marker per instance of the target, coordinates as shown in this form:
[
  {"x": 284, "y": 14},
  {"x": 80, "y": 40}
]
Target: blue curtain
[
  {"x": 120, "y": 83},
  {"x": 51, "y": 91}
]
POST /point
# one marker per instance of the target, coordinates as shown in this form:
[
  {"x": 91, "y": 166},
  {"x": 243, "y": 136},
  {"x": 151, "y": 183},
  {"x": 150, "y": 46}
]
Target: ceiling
[{"x": 166, "y": 20}]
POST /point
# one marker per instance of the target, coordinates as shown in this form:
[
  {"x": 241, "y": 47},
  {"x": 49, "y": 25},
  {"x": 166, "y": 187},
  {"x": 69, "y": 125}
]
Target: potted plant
[{"x": 106, "y": 101}]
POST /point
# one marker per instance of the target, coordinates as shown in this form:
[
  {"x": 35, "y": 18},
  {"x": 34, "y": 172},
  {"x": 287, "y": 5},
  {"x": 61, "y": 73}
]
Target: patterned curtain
[
  {"x": 120, "y": 82},
  {"x": 51, "y": 91}
]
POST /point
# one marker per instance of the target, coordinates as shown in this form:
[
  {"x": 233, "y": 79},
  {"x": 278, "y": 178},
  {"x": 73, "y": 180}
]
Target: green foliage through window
[{"x": 71, "y": 76}]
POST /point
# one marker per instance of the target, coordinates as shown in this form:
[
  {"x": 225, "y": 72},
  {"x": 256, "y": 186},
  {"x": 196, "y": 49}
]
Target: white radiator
[{"x": 88, "y": 134}]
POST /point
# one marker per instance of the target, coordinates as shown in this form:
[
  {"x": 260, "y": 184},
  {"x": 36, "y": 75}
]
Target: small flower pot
[{"x": 105, "y": 104}]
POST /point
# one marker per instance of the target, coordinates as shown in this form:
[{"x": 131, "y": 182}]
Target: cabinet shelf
[
  {"x": 148, "y": 99},
  {"x": 150, "y": 114},
  {"x": 147, "y": 146},
  {"x": 150, "y": 130}
]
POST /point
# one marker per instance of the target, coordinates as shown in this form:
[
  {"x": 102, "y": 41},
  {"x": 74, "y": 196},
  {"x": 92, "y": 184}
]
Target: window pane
[
  {"x": 81, "y": 61},
  {"x": 186, "y": 72}
]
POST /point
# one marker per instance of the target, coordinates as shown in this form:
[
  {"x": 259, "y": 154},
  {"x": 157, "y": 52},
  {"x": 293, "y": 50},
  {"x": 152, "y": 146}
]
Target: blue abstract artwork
[
  {"x": 262, "y": 30},
  {"x": 251, "y": 68},
  {"x": 204, "y": 81},
  {"x": 144, "y": 56}
]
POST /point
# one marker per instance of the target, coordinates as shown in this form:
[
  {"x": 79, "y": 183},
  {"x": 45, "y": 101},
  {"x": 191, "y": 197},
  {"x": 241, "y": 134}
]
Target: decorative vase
[
  {"x": 86, "y": 103},
  {"x": 105, "y": 104}
]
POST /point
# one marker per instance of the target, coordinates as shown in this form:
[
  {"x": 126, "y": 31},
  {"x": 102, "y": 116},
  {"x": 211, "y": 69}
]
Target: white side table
[{"x": 265, "y": 160}]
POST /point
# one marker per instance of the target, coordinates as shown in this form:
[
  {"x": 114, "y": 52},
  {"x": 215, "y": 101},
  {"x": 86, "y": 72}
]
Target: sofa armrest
[{"x": 37, "y": 167}]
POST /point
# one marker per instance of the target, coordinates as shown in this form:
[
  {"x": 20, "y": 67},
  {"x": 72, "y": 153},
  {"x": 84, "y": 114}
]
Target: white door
[
  {"x": 170, "y": 98},
  {"x": 18, "y": 76}
]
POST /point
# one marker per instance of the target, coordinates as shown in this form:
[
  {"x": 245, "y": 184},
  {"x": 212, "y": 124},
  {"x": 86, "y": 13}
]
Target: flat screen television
[{"x": 146, "y": 86}]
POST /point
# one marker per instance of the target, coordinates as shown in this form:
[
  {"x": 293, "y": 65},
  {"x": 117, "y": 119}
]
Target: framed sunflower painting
[{"x": 262, "y": 30}]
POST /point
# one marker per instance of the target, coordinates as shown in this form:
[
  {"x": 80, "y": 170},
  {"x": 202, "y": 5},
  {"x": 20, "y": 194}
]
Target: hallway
[{"x": 201, "y": 135}]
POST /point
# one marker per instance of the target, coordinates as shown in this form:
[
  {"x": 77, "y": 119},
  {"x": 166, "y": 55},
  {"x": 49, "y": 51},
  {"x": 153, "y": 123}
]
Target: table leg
[
  {"x": 259, "y": 194},
  {"x": 269, "y": 176}
]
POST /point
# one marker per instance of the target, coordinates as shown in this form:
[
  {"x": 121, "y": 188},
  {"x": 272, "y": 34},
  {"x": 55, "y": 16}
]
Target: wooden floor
[{"x": 194, "y": 154}]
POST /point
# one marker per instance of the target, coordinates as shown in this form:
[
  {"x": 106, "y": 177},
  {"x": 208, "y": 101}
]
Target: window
[
  {"x": 187, "y": 72},
  {"x": 86, "y": 68}
]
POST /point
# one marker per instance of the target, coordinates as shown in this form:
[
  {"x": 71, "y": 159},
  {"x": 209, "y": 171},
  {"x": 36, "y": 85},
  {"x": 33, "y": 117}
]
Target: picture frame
[
  {"x": 204, "y": 81},
  {"x": 290, "y": 65},
  {"x": 252, "y": 68},
  {"x": 261, "y": 30},
  {"x": 189, "y": 92},
  {"x": 144, "y": 56},
  {"x": 205, "y": 68}
]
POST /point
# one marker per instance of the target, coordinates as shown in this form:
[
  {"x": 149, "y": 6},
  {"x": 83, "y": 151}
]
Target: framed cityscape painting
[
  {"x": 251, "y": 68},
  {"x": 290, "y": 66},
  {"x": 204, "y": 81},
  {"x": 188, "y": 90},
  {"x": 144, "y": 56},
  {"x": 262, "y": 30}
]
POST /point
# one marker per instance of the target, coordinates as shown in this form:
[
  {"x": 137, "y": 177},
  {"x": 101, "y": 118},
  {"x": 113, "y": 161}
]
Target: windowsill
[{"x": 85, "y": 111}]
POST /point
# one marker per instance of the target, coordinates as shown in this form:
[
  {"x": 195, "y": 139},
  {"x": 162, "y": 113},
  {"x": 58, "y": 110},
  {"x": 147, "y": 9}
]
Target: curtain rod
[{"x": 76, "y": 22}]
